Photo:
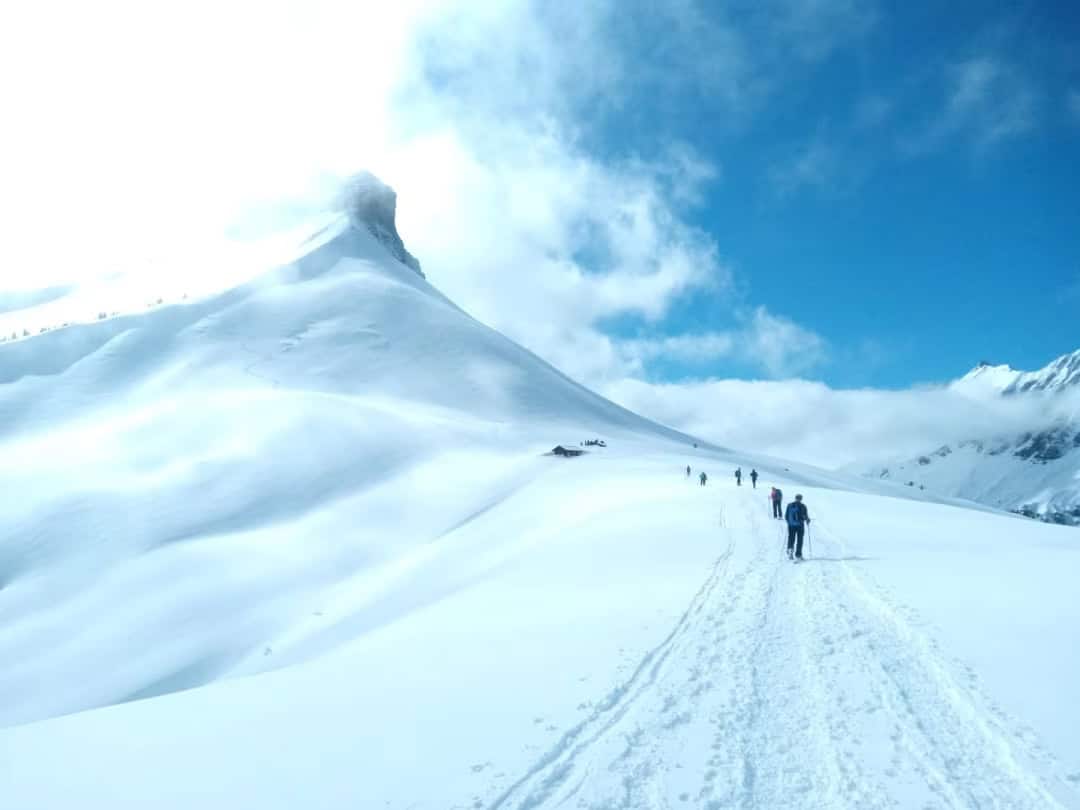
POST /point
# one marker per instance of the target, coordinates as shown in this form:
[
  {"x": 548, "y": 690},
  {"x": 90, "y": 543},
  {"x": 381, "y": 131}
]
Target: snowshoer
[
  {"x": 797, "y": 517},
  {"x": 703, "y": 476},
  {"x": 687, "y": 470},
  {"x": 753, "y": 478},
  {"x": 738, "y": 476},
  {"x": 777, "y": 503}
]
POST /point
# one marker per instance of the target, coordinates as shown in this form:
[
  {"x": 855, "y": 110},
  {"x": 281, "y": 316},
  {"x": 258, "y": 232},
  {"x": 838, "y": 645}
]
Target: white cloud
[
  {"x": 816, "y": 28},
  {"x": 814, "y": 166},
  {"x": 827, "y": 164},
  {"x": 987, "y": 101},
  {"x": 694, "y": 348},
  {"x": 770, "y": 343},
  {"x": 810, "y": 422},
  {"x": 781, "y": 346},
  {"x": 140, "y": 129}
]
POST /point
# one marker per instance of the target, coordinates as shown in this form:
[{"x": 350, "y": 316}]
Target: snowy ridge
[
  {"x": 284, "y": 409},
  {"x": 1059, "y": 375},
  {"x": 986, "y": 379}
]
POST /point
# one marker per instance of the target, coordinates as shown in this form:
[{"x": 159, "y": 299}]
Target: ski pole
[{"x": 809, "y": 543}]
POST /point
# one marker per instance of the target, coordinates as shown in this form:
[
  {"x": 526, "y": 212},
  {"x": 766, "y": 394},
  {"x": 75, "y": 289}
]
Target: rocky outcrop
[{"x": 372, "y": 205}]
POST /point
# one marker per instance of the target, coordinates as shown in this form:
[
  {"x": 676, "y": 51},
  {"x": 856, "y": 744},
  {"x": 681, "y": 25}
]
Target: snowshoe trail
[{"x": 788, "y": 686}]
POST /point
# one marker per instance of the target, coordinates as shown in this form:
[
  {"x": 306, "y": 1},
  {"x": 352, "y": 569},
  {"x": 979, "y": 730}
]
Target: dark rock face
[
  {"x": 1047, "y": 445},
  {"x": 1070, "y": 517},
  {"x": 372, "y": 205}
]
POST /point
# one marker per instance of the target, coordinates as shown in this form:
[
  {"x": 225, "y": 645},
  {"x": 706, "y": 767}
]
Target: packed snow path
[{"x": 791, "y": 685}]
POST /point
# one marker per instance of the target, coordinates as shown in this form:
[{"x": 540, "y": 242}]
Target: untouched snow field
[{"x": 298, "y": 545}]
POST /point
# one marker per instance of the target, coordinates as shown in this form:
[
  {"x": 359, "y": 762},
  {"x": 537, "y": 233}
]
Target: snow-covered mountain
[
  {"x": 301, "y": 544},
  {"x": 1035, "y": 472},
  {"x": 986, "y": 378},
  {"x": 1062, "y": 374}
]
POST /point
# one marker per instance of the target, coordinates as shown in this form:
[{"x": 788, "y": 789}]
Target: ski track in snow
[{"x": 791, "y": 686}]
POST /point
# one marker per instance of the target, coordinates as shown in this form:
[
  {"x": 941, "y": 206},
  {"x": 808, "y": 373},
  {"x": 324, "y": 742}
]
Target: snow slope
[
  {"x": 323, "y": 499},
  {"x": 609, "y": 634},
  {"x": 206, "y": 466},
  {"x": 1003, "y": 473}
]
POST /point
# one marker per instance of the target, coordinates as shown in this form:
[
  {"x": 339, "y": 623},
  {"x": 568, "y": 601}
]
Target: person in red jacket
[{"x": 777, "y": 497}]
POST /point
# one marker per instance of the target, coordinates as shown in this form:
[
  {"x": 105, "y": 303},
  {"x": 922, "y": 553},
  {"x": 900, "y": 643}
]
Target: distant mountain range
[{"x": 1034, "y": 472}]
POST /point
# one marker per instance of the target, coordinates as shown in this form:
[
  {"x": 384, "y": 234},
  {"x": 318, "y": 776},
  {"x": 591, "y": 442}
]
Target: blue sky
[{"x": 901, "y": 179}]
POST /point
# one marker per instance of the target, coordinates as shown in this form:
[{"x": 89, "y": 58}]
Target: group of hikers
[
  {"x": 795, "y": 516},
  {"x": 738, "y": 476}
]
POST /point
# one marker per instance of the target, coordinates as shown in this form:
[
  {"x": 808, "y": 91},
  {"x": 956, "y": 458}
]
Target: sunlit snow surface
[{"x": 322, "y": 498}]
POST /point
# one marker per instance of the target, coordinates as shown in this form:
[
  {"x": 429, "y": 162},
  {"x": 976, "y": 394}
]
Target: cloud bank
[{"x": 810, "y": 422}]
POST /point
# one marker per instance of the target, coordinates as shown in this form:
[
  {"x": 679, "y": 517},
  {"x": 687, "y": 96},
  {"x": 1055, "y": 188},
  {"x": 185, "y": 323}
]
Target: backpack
[{"x": 794, "y": 514}]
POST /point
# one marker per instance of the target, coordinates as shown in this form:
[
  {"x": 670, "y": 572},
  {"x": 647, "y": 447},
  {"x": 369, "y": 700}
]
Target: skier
[
  {"x": 687, "y": 470},
  {"x": 777, "y": 502},
  {"x": 753, "y": 478},
  {"x": 703, "y": 476},
  {"x": 797, "y": 519},
  {"x": 738, "y": 476}
]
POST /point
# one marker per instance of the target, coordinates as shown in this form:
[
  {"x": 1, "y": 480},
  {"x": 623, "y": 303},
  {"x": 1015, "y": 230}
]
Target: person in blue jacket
[{"x": 797, "y": 518}]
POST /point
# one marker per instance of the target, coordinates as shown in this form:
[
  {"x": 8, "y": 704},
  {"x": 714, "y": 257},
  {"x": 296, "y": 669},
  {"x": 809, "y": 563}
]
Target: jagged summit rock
[{"x": 372, "y": 205}]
